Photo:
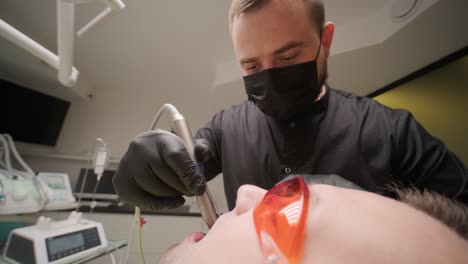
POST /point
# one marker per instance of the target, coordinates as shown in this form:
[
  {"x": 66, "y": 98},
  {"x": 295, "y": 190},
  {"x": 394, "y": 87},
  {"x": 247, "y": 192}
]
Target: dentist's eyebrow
[
  {"x": 289, "y": 46},
  {"x": 247, "y": 61}
]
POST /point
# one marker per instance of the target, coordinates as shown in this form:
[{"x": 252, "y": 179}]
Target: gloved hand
[{"x": 157, "y": 170}]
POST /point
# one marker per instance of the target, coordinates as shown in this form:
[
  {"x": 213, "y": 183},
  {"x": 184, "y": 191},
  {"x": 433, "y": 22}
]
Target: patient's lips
[{"x": 195, "y": 237}]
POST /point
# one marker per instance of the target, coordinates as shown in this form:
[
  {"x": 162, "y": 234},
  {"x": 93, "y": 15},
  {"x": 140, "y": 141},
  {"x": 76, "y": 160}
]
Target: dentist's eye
[
  {"x": 288, "y": 58},
  {"x": 252, "y": 69}
]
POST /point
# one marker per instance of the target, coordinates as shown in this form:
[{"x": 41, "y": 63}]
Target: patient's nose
[{"x": 248, "y": 196}]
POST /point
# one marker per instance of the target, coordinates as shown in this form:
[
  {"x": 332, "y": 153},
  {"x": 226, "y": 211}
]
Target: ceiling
[{"x": 177, "y": 46}]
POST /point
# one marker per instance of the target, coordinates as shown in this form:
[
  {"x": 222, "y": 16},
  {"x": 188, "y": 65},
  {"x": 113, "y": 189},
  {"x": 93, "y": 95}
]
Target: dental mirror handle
[{"x": 180, "y": 127}]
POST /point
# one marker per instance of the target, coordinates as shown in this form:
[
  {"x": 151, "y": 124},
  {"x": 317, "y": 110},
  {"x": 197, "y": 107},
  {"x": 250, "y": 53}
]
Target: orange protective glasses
[{"x": 280, "y": 220}]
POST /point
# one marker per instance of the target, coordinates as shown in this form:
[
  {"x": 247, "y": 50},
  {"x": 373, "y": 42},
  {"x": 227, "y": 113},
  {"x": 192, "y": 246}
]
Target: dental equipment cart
[{"x": 74, "y": 240}]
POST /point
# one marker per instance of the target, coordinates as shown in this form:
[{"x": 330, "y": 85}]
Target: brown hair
[
  {"x": 450, "y": 212},
  {"x": 315, "y": 9}
]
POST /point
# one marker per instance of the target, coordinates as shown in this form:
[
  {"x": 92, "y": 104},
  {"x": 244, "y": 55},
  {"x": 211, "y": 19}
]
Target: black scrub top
[{"x": 354, "y": 137}]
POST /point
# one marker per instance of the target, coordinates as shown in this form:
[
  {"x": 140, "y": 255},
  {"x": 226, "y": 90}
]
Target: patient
[{"x": 342, "y": 226}]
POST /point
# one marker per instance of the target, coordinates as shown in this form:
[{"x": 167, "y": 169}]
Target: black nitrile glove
[{"x": 157, "y": 170}]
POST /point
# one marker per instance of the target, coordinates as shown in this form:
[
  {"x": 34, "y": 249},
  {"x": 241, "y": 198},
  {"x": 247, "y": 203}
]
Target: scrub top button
[
  {"x": 287, "y": 170},
  {"x": 292, "y": 124}
]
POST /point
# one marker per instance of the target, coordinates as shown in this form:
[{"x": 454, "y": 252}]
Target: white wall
[{"x": 118, "y": 116}]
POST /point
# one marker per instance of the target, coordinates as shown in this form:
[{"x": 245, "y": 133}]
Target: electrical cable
[
  {"x": 18, "y": 157},
  {"x": 83, "y": 182},
  {"x": 9, "y": 145},
  {"x": 93, "y": 202},
  {"x": 112, "y": 258},
  {"x": 85, "y": 176},
  {"x": 140, "y": 242},
  {"x": 137, "y": 214},
  {"x": 130, "y": 236},
  {"x": 6, "y": 151},
  {"x": 119, "y": 254},
  {"x": 158, "y": 115},
  {"x": 41, "y": 191}
]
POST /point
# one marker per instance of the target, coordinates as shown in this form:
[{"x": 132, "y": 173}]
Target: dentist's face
[
  {"x": 343, "y": 226},
  {"x": 279, "y": 34}
]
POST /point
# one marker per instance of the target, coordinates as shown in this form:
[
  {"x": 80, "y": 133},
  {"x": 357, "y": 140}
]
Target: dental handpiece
[{"x": 180, "y": 127}]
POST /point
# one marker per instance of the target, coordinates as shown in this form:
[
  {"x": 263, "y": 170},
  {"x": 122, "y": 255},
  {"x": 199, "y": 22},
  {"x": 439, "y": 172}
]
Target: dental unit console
[
  {"x": 55, "y": 241},
  {"x": 22, "y": 191}
]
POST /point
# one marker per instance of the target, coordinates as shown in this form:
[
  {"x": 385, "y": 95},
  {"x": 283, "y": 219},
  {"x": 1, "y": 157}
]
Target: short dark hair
[
  {"x": 450, "y": 212},
  {"x": 315, "y": 9}
]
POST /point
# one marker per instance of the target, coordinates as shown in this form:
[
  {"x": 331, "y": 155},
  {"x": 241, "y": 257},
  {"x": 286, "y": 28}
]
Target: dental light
[
  {"x": 67, "y": 74},
  {"x": 113, "y": 7}
]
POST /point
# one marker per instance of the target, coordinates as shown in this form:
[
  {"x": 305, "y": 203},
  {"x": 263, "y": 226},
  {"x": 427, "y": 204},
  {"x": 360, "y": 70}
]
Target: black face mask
[{"x": 286, "y": 92}]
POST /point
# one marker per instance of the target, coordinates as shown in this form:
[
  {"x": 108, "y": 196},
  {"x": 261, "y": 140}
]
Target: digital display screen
[
  {"x": 64, "y": 243},
  {"x": 55, "y": 182}
]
